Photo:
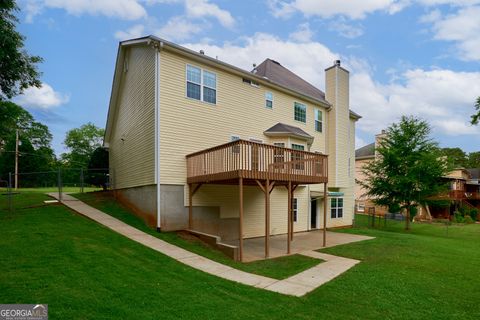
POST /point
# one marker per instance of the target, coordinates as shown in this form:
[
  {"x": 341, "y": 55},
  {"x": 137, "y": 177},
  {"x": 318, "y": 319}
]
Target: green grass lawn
[
  {"x": 51, "y": 255},
  {"x": 278, "y": 268}
]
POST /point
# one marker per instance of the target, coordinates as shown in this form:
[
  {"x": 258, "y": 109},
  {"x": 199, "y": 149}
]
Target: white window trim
[
  {"x": 337, "y": 207},
  {"x": 201, "y": 84},
  {"x": 305, "y": 112},
  {"x": 317, "y": 110},
  {"x": 265, "y": 104}
]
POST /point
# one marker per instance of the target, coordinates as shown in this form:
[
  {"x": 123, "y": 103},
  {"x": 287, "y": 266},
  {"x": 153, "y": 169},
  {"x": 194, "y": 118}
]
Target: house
[
  {"x": 199, "y": 144},
  {"x": 464, "y": 190},
  {"x": 464, "y": 187},
  {"x": 363, "y": 156}
]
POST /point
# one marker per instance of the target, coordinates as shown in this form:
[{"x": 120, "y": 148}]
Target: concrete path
[{"x": 297, "y": 285}]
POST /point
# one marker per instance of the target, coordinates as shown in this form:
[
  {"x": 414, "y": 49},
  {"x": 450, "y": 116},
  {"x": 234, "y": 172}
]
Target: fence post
[
  {"x": 59, "y": 184},
  {"x": 10, "y": 195},
  {"x": 81, "y": 180}
]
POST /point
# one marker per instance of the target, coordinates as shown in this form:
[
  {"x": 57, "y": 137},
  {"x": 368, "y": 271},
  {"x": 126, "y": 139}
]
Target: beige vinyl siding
[
  {"x": 132, "y": 160},
  {"x": 189, "y": 125}
]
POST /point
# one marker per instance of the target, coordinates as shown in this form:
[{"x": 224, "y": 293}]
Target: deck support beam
[
  {"x": 289, "y": 219},
  {"x": 240, "y": 225},
  {"x": 191, "y": 193},
  {"x": 325, "y": 203}
]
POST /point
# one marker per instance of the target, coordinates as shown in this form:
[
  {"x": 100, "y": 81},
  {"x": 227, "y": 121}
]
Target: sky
[{"x": 405, "y": 57}]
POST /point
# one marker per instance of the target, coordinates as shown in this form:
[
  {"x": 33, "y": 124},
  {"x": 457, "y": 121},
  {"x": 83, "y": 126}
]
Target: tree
[
  {"x": 408, "y": 169},
  {"x": 456, "y": 156},
  {"x": 81, "y": 143},
  {"x": 474, "y": 160},
  {"x": 98, "y": 168},
  {"x": 18, "y": 69},
  {"x": 476, "y": 116}
]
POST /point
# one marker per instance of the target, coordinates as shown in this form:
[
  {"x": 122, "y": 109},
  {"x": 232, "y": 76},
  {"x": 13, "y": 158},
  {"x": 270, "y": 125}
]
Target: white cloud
[
  {"x": 344, "y": 29},
  {"x": 42, "y": 98},
  {"x": 134, "y": 32},
  {"x": 462, "y": 28},
  {"x": 314, "y": 55},
  {"x": 331, "y": 8},
  {"x": 179, "y": 28},
  {"x": 303, "y": 34},
  {"x": 203, "y": 8},
  {"x": 123, "y": 9}
]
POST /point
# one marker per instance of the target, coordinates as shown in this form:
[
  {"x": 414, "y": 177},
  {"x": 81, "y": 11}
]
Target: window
[
  {"x": 279, "y": 154},
  {"x": 318, "y": 120},
  {"x": 361, "y": 207},
  {"x": 251, "y": 82},
  {"x": 268, "y": 100},
  {"x": 298, "y": 156},
  {"x": 201, "y": 84},
  {"x": 300, "y": 112},
  {"x": 236, "y": 147},
  {"x": 295, "y": 209},
  {"x": 194, "y": 82},
  {"x": 336, "y": 208}
]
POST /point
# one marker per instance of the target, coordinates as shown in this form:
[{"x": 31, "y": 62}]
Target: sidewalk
[{"x": 297, "y": 285}]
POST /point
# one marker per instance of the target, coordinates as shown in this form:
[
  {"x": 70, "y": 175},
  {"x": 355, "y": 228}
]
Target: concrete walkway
[{"x": 297, "y": 285}]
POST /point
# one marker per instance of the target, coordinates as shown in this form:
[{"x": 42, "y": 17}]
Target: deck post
[
  {"x": 190, "y": 209},
  {"x": 240, "y": 226},
  {"x": 289, "y": 213},
  {"x": 267, "y": 218},
  {"x": 325, "y": 203}
]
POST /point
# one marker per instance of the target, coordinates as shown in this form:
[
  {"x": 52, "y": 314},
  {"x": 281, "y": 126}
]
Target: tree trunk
[{"x": 407, "y": 221}]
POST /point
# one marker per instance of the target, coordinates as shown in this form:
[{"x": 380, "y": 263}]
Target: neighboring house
[
  {"x": 464, "y": 191},
  {"x": 196, "y": 143},
  {"x": 464, "y": 188},
  {"x": 363, "y": 156}
]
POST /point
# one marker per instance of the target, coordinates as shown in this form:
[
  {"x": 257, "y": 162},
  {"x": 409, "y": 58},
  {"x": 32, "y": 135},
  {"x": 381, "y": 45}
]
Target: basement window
[
  {"x": 336, "y": 208},
  {"x": 295, "y": 209}
]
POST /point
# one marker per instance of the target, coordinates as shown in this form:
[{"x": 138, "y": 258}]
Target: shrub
[
  {"x": 474, "y": 214},
  {"x": 468, "y": 219},
  {"x": 457, "y": 217}
]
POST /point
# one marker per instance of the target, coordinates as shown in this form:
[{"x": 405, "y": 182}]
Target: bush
[
  {"x": 457, "y": 217},
  {"x": 474, "y": 214},
  {"x": 468, "y": 219}
]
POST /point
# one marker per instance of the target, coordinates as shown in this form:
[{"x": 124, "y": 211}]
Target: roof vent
[
  {"x": 202, "y": 52},
  {"x": 337, "y": 63}
]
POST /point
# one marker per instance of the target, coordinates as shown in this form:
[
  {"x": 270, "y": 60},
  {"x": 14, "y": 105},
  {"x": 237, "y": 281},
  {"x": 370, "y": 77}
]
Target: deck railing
[{"x": 252, "y": 160}]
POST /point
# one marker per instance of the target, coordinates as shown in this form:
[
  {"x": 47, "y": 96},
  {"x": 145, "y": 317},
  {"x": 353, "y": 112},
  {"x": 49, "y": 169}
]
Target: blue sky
[{"x": 412, "y": 57}]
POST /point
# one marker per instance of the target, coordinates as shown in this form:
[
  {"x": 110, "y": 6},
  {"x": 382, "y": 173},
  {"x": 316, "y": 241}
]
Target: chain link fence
[{"x": 63, "y": 180}]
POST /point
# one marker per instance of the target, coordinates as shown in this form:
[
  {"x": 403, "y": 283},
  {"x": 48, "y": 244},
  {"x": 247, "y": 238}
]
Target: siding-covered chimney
[{"x": 337, "y": 92}]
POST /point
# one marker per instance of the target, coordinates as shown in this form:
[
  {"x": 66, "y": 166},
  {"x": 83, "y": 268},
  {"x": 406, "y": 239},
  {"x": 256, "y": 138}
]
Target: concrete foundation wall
[{"x": 174, "y": 214}]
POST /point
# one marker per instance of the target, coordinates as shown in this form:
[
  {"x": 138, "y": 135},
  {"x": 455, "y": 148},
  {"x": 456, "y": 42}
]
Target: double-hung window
[
  {"x": 268, "y": 100},
  {"x": 300, "y": 112},
  {"x": 336, "y": 208},
  {"x": 279, "y": 154},
  {"x": 296, "y": 156},
  {"x": 201, "y": 84},
  {"x": 318, "y": 120}
]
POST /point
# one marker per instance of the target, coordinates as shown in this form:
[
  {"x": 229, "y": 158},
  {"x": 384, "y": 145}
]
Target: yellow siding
[{"x": 132, "y": 160}]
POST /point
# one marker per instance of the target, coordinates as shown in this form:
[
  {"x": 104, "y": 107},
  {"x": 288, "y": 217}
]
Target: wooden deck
[{"x": 225, "y": 164}]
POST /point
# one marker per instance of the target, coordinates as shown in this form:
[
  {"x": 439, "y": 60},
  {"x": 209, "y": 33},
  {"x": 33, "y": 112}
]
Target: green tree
[
  {"x": 18, "y": 69},
  {"x": 81, "y": 143},
  {"x": 474, "y": 160},
  {"x": 98, "y": 168},
  {"x": 455, "y": 156},
  {"x": 408, "y": 169},
  {"x": 476, "y": 115}
]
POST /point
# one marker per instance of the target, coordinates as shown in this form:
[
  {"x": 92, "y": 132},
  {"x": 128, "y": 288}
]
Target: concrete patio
[{"x": 254, "y": 248}]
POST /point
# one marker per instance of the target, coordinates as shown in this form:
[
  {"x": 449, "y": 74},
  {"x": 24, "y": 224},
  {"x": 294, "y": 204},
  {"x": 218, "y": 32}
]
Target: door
[{"x": 313, "y": 214}]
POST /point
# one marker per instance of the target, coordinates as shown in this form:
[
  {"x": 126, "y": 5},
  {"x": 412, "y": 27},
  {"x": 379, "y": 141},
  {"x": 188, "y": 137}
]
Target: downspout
[{"x": 158, "y": 47}]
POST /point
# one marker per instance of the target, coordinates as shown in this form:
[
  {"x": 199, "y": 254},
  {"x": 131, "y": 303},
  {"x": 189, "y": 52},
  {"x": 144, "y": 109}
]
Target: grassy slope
[
  {"x": 84, "y": 271},
  {"x": 279, "y": 268}
]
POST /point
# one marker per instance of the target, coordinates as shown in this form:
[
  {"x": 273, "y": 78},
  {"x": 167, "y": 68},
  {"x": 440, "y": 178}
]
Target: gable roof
[
  {"x": 282, "y": 129},
  {"x": 365, "y": 152},
  {"x": 276, "y": 73}
]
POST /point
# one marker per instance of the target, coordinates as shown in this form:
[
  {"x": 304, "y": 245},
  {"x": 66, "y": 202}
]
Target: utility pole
[{"x": 16, "y": 161}]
